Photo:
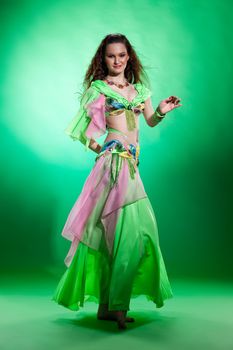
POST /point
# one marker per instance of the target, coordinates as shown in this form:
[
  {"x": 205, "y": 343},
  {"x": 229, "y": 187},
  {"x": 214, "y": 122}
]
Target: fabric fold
[
  {"x": 107, "y": 189},
  {"x": 96, "y": 111},
  {"x": 84, "y": 126}
]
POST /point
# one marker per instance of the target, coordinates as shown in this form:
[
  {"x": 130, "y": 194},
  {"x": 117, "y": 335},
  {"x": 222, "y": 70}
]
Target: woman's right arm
[
  {"x": 89, "y": 122},
  {"x": 95, "y": 146}
]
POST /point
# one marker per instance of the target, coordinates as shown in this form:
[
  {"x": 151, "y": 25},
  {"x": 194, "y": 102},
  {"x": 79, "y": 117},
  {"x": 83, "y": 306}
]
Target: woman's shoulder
[
  {"x": 98, "y": 84},
  {"x": 89, "y": 94},
  {"x": 144, "y": 90}
]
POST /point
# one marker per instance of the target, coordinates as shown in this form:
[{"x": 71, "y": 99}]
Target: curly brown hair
[{"x": 97, "y": 69}]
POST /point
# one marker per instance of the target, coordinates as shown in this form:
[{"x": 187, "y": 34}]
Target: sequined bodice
[
  {"x": 113, "y": 107},
  {"x": 117, "y": 109}
]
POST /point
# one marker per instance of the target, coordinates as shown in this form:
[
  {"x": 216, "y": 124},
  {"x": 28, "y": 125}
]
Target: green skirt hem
[
  {"x": 136, "y": 269},
  {"x": 94, "y": 299}
]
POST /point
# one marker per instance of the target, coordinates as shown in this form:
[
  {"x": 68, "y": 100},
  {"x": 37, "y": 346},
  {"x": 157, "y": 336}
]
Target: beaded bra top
[
  {"x": 115, "y": 103},
  {"x": 114, "y": 108}
]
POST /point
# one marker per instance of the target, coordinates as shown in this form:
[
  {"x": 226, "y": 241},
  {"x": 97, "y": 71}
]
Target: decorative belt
[{"x": 123, "y": 149}]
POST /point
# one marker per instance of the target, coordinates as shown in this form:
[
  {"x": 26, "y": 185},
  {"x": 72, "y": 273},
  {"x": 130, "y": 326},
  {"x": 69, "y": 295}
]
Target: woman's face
[{"x": 116, "y": 58}]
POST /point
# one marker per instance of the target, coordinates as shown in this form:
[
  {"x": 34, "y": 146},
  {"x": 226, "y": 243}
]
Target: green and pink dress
[{"x": 115, "y": 252}]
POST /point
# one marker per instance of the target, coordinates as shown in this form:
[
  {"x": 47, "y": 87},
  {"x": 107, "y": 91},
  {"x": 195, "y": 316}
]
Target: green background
[{"x": 185, "y": 164}]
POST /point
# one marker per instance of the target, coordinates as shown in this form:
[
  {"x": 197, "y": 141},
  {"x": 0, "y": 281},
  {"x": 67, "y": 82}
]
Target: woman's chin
[{"x": 117, "y": 70}]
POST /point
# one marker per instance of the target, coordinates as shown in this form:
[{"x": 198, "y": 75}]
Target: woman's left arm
[{"x": 153, "y": 117}]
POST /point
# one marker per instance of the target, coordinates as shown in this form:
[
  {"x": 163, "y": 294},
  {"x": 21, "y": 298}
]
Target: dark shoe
[
  {"x": 120, "y": 318},
  {"x": 102, "y": 312},
  {"x": 127, "y": 318},
  {"x": 110, "y": 315}
]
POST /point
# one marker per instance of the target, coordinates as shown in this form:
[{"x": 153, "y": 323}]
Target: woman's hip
[{"x": 122, "y": 149}]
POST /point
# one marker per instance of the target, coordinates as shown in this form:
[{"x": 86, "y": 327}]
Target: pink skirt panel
[{"x": 97, "y": 208}]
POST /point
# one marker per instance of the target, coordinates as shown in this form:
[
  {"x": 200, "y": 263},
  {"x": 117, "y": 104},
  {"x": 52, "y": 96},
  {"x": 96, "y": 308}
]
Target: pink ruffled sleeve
[
  {"x": 96, "y": 111},
  {"x": 89, "y": 122}
]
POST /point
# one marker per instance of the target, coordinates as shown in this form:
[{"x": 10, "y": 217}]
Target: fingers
[
  {"x": 177, "y": 105},
  {"x": 173, "y": 99}
]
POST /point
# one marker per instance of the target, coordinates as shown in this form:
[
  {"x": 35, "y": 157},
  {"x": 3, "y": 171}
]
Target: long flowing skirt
[{"x": 115, "y": 253}]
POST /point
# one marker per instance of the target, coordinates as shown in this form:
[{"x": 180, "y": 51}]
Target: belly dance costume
[
  {"x": 123, "y": 149},
  {"x": 115, "y": 252}
]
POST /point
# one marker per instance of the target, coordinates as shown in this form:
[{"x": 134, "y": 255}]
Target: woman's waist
[
  {"x": 128, "y": 137},
  {"x": 123, "y": 148}
]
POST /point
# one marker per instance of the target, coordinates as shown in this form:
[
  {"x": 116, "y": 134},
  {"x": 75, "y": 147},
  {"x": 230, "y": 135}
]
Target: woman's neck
[{"x": 118, "y": 79}]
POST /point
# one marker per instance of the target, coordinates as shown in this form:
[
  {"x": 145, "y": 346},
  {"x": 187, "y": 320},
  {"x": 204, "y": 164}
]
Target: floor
[{"x": 200, "y": 316}]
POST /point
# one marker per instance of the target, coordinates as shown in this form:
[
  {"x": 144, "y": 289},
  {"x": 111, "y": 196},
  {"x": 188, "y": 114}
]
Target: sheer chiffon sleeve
[{"x": 89, "y": 122}]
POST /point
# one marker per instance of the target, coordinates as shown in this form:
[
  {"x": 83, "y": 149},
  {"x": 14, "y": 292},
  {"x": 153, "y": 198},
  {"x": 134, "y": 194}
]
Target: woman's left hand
[{"x": 169, "y": 104}]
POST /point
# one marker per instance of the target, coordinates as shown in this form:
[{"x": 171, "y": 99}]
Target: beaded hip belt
[{"x": 123, "y": 149}]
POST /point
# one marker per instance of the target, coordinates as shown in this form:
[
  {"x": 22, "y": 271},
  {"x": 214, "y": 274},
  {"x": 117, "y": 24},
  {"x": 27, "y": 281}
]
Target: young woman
[{"x": 115, "y": 252}]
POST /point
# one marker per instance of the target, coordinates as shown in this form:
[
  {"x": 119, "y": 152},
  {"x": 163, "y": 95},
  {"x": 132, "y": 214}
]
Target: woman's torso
[
  {"x": 118, "y": 123},
  {"x": 123, "y": 124}
]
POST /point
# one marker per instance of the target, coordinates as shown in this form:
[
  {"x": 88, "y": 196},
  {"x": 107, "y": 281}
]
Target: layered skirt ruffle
[{"x": 115, "y": 253}]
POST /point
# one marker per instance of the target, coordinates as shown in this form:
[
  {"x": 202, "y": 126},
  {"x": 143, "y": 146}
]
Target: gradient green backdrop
[{"x": 185, "y": 162}]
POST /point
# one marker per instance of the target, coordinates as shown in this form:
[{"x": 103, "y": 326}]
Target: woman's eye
[{"x": 120, "y": 56}]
